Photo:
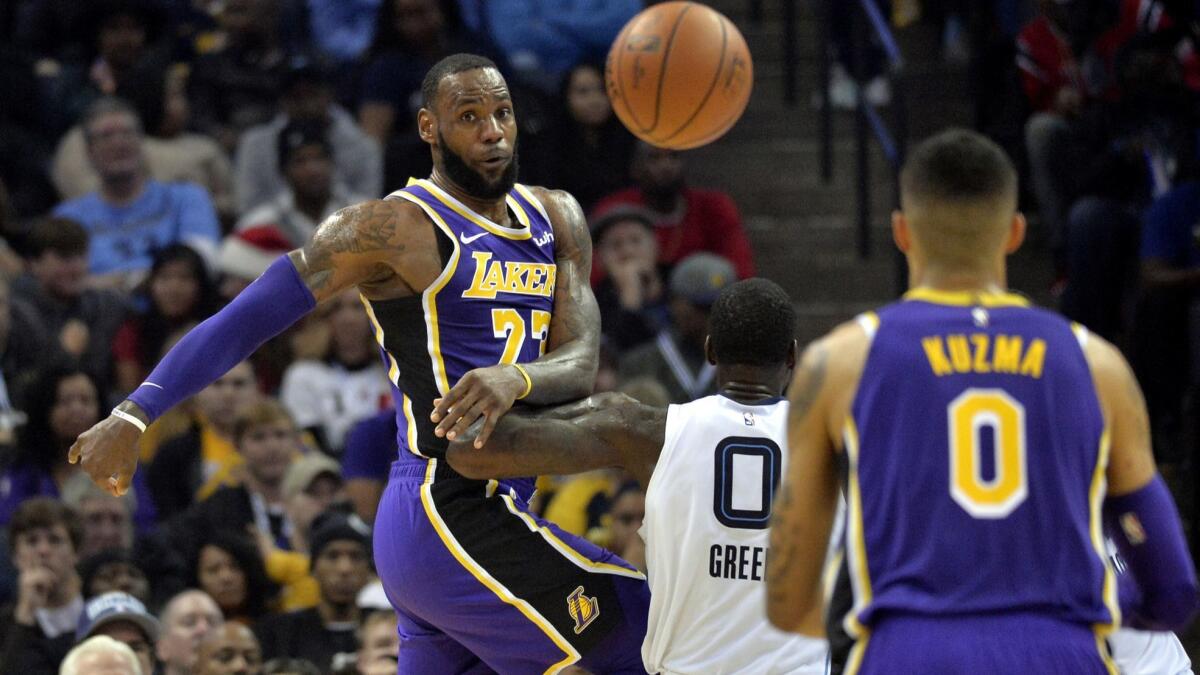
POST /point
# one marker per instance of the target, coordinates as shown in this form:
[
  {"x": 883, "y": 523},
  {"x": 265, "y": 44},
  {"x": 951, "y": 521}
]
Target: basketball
[{"x": 679, "y": 75}]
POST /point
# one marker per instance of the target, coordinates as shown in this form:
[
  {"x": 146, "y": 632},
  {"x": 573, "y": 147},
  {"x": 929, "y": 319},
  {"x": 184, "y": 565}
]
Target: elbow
[{"x": 792, "y": 615}]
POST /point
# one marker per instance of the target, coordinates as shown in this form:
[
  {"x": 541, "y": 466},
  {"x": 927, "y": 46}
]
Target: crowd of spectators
[{"x": 155, "y": 157}]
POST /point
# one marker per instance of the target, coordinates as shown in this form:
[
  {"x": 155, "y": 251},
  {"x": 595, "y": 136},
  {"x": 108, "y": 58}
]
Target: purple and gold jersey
[
  {"x": 976, "y": 454},
  {"x": 491, "y": 304}
]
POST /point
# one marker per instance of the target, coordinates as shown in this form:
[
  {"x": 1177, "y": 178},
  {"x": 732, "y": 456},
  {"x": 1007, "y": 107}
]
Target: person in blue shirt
[{"x": 131, "y": 216}]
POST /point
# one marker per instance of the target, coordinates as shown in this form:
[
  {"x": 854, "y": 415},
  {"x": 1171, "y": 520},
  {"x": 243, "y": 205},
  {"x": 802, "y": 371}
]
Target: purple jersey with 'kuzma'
[{"x": 976, "y": 457}]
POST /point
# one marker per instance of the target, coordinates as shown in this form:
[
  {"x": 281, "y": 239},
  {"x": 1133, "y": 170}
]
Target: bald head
[{"x": 958, "y": 192}]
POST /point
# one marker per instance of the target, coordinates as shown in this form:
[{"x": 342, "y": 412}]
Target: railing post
[{"x": 789, "y": 51}]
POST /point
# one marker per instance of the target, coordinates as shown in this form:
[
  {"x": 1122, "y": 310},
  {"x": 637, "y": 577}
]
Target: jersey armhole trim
[
  {"x": 1081, "y": 334},
  {"x": 671, "y": 431},
  {"x": 869, "y": 322}
]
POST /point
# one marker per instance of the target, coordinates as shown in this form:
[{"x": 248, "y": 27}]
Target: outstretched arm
[
  {"x": 351, "y": 247},
  {"x": 626, "y": 434},
  {"x": 568, "y": 369}
]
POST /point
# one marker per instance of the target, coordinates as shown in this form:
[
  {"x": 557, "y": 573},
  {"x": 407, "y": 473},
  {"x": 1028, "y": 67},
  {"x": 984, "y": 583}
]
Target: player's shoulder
[{"x": 560, "y": 205}]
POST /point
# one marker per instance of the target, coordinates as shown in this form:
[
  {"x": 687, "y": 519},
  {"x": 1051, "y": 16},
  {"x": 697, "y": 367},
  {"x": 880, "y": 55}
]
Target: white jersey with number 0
[{"x": 708, "y": 506}]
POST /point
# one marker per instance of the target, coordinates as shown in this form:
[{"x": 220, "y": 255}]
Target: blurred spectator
[
  {"x": 311, "y": 486},
  {"x": 179, "y": 294},
  {"x": 63, "y": 403},
  {"x": 543, "y": 39},
  {"x": 371, "y": 448},
  {"x": 341, "y": 564},
  {"x": 228, "y": 568},
  {"x": 237, "y": 85},
  {"x": 845, "y": 72},
  {"x": 186, "y": 621},
  {"x": 85, "y": 320},
  {"x": 311, "y": 194},
  {"x": 113, "y": 570},
  {"x": 246, "y": 254},
  {"x": 101, "y": 654},
  {"x": 590, "y": 151},
  {"x": 633, "y": 296},
  {"x": 107, "y": 520},
  {"x": 266, "y": 440},
  {"x": 123, "y": 618},
  {"x": 171, "y": 153},
  {"x": 410, "y": 37},
  {"x": 342, "y": 29},
  {"x": 232, "y": 649},
  {"x": 124, "y": 52},
  {"x": 38, "y": 629},
  {"x": 379, "y": 644},
  {"x": 624, "y": 520},
  {"x": 307, "y": 96},
  {"x": 687, "y": 219},
  {"x": 23, "y": 340},
  {"x": 132, "y": 215},
  {"x": 286, "y": 666},
  {"x": 193, "y": 466},
  {"x": 327, "y": 397},
  {"x": 676, "y": 358},
  {"x": 24, "y": 137}
]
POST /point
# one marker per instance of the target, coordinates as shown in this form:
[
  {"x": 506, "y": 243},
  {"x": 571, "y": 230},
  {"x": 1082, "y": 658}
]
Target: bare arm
[
  {"x": 802, "y": 516},
  {"x": 1131, "y": 459},
  {"x": 568, "y": 369},
  {"x": 627, "y": 434}
]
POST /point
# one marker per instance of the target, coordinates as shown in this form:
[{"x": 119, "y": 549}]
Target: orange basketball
[{"x": 679, "y": 75}]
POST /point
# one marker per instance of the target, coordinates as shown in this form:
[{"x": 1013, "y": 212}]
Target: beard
[{"x": 471, "y": 180}]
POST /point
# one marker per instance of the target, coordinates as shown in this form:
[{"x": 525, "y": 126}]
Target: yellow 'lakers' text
[
  {"x": 498, "y": 276},
  {"x": 983, "y": 353}
]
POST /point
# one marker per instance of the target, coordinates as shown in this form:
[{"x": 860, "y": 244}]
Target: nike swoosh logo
[{"x": 466, "y": 240}]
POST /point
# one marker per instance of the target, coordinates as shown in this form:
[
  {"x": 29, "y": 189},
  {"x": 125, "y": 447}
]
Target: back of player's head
[
  {"x": 959, "y": 192},
  {"x": 752, "y": 323},
  {"x": 451, "y": 65}
]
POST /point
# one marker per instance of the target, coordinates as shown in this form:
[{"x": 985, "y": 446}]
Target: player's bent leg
[
  {"x": 982, "y": 645},
  {"x": 515, "y": 591}
]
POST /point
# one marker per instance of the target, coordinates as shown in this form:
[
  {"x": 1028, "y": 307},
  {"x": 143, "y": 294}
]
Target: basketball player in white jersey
[{"x": 711, "y": 469}]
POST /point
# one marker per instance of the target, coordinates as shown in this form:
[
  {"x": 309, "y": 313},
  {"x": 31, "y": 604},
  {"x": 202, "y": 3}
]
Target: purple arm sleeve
[
  {"x": 263, "y": 310},
  {"x": 1146, "y": 529}
]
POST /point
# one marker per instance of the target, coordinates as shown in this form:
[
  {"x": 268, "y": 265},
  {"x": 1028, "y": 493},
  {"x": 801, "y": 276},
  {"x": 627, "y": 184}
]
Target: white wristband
[{"x": 129, "y": 418}]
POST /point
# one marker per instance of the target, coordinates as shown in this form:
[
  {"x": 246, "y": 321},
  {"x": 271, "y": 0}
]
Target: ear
[
  {"x": 791, "y": 355},
  {"x": 901, "y": 234},
  {"x": 1016, "y": 233},
  {"x": 427, "y": 126},
  {"x": 709, "y": 354}
]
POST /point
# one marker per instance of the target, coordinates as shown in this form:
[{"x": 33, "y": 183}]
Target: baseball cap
[
  {"x": 301, "y": 474},
  {"x": 700, "y": 277},
  {"x": 619, "y": 214},
  {"x": 115, "y": 606}
]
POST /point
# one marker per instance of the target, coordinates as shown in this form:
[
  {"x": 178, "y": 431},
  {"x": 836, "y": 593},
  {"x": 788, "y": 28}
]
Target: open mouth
[{"x": 495, "y": 162}]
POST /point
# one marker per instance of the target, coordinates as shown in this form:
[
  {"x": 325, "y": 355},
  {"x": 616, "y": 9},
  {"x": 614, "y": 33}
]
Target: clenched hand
[{"x": 108, "y": 453}]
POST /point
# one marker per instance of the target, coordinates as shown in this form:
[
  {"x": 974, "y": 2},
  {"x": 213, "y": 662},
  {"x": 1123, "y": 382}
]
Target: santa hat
[{"x": 248, "y": 253}]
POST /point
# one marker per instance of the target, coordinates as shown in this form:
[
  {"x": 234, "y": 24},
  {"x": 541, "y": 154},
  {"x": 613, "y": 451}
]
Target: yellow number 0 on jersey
[
  {"x": 973, "y": 410},
  {"x": 508, "y": 325}
]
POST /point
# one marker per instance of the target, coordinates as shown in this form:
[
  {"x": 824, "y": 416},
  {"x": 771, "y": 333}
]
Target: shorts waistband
[{"x": 417, "y": 469}]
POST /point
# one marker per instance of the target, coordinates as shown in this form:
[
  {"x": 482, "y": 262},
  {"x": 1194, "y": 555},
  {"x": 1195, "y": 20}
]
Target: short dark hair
[
  {"x": 266, "y": 411},
  {"x": 451, "y": 65},
  {"x": 959, "y": 165},
  {"x": 107, "y": 105},
  {"x": 752, "y": 323},
  {"x": 44, "y": 513},
  {"x": 61, "y": 235}
]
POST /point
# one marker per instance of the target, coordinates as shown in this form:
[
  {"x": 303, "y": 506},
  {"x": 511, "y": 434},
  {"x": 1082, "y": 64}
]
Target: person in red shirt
[{"x": 690, "y": 219}]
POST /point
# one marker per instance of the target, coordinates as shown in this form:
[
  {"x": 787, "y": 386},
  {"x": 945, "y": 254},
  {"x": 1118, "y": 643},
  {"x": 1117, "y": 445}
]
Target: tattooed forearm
[
  {"x": 807, "y": 385},
  {"x": 346, "y": 249}
]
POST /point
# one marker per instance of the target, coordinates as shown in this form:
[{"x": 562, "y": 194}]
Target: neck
[
  {"x": 312, "y": 206},
  {"x": 988, "y": 279},
  {"x": 751, "y": 384},
  {"x": 337, "y": 613},
  {"x": 494, "y": 209},
  {"x": 662, "y": 202},
  {"x": 270, "y": 492},
  {"x": 121, "y": 190}
]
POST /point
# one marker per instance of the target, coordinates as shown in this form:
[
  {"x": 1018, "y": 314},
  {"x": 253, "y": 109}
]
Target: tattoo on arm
[
  {"x": 346, "y": 249},
  {"x": 783, "y": 547},
  {"x": 809, "y": 380},
  {"x": 568, "y": 368}
]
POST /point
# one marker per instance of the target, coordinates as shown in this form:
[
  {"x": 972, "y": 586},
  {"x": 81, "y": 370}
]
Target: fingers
[
  {"x": 466, "y": 420},
  {"x": 466, "y": 405},
  {"x": 489, "y": 423},
  {"x": 443, "y": 405},
  {"x": 119, "y": 484},
  {"x": 75, "y": 452}
]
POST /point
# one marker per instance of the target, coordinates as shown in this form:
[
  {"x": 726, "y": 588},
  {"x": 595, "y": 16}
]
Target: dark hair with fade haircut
[
  {"x": 959, "y": 165},
  {"x": 752, "y": 323},
  {"x": 63, "y": 236},
  {"x": 451, "y": 65},
  {"x": 44, "y": 513}
]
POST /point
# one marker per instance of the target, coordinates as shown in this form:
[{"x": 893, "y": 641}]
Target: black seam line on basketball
[
  {"x": 620, "y": 83},
  {"x": 729, "y": 121},
  {"x": 711, "y": 87},
  {"x": 662, "y": 69}
]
